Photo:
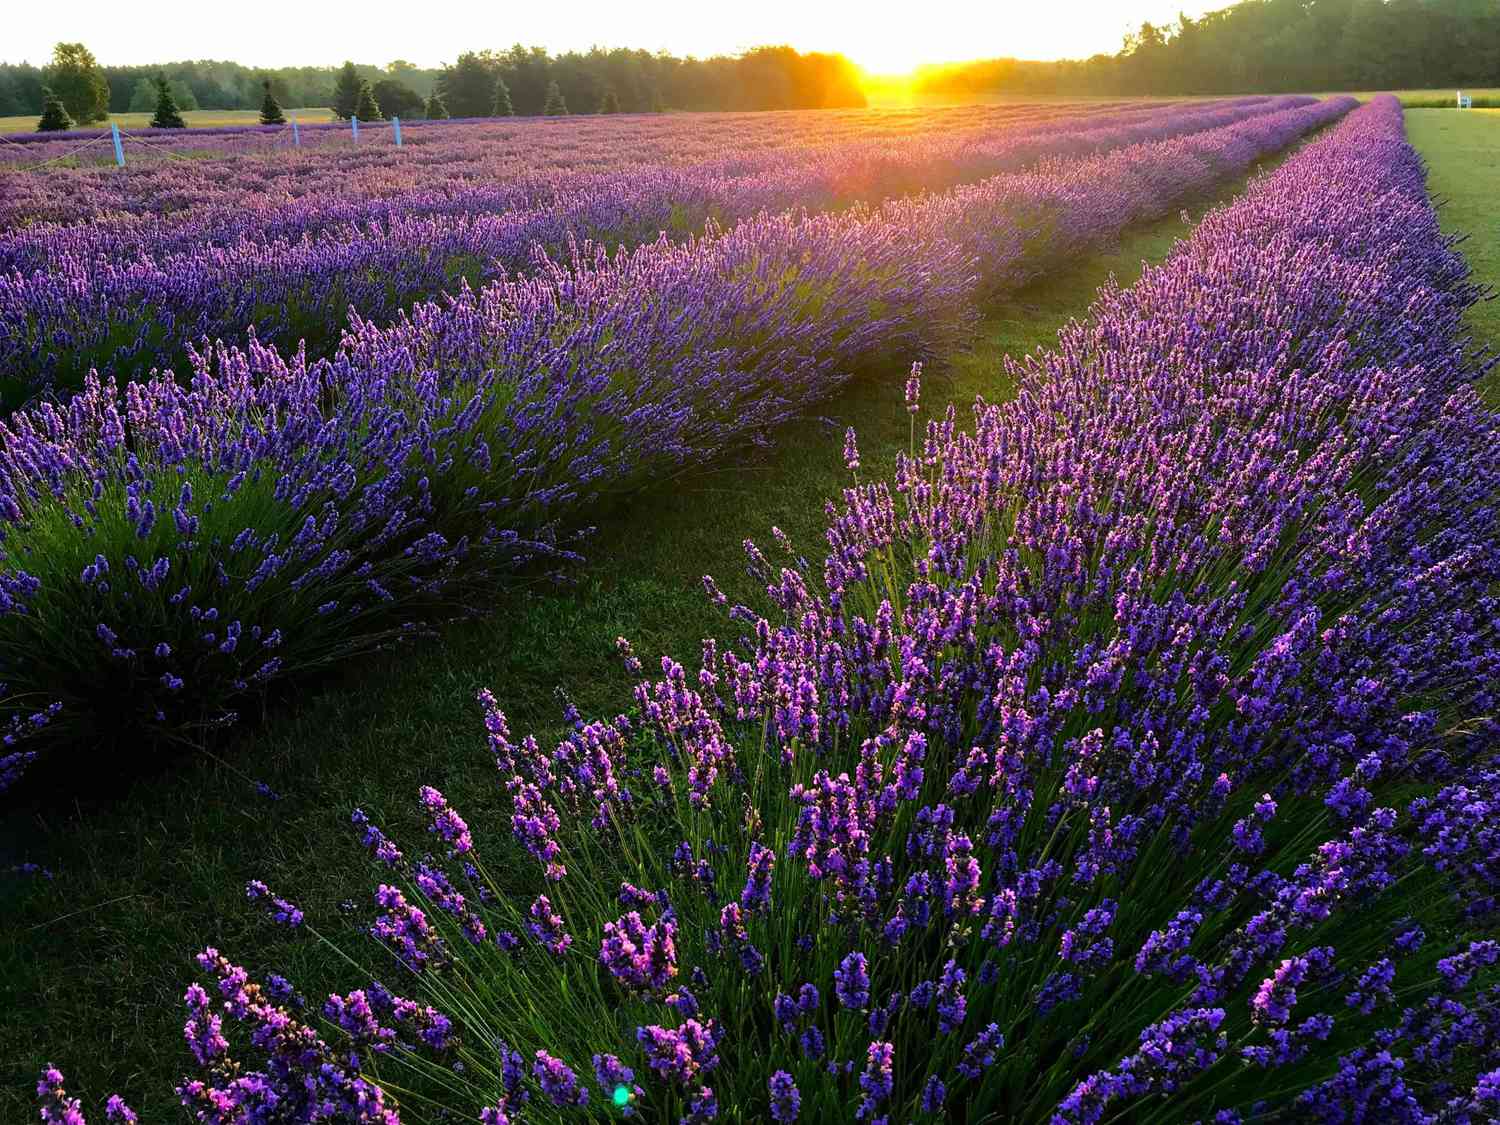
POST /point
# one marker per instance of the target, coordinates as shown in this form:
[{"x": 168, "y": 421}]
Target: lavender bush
[
  {"x": 1132, "y": 757},
  {"x": 172, "y": 548},
  {"x": 128, "y": 295},
  {"x": 237, "y": 168}
]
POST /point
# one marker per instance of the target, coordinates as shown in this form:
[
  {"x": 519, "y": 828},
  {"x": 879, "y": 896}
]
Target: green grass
[
  {"x": 92, "y": 965},
  {"x": 1463, "y": 154},
  {"x": 1486, "y": 97},
  {"x": 195, "y": 118},
  {"x": 890, "y": 93}
]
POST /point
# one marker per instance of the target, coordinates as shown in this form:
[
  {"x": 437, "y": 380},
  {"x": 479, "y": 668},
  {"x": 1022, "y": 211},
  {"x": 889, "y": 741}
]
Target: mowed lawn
[
  {"x": 1463, "y": 154},
  {"x": 93, "y": 963},
  {"x": 195, "y": 118},
  {"x": 1441, "y": 99}
]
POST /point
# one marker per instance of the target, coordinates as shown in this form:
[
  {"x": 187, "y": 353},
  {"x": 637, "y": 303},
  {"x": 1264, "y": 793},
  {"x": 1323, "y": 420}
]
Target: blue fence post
[
  {"x": 296, "y": 134},
  {"x": 396, "y": 124},
  {"x": 354, "y": 126},
  {"x": 119, "y": 148}
]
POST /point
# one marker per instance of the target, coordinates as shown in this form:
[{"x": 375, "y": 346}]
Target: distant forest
[
  {"x": 763, "y": 78},
  {"x": 1267, "y": 46},
  {"x": 1254, "y": 46}
]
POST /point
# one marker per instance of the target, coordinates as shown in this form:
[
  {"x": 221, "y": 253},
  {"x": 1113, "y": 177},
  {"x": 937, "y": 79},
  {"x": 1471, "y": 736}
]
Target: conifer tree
[
  {"x": 437, "y": 109},
  {"x": 554, "y": 106},
  {"x": 270, "y": 108},
  {"x": 367, "y": 108},
  {"x": 658, "y": 105},
  {"x": 346, "y": 92},
  {"x": 610, "y": 102},
  {"x": 502, "y": 106},
  {"x": 54, "y": 114},
  {"x": 167, "y": 115}
]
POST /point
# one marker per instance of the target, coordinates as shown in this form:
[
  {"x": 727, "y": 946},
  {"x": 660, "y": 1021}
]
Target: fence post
[
  {"x": 354, "y": 126},
  {"x": 119, "y": 148},
  {"x": 396, "y": 124},
  {"x": 296, "y": 134}
]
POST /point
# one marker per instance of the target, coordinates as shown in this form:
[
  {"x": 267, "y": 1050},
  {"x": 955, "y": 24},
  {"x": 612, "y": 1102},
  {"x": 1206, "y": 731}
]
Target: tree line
[
  {"x": 1267, "y": 46},
  {"x": 617, "y": 80},
  {"x": 202, "y": 84}
]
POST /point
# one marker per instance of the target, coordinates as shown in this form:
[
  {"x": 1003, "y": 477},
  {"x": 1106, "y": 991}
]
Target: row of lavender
[
  {"x": 130, "y": 297},
  {"x": 1133, "y": 758},
  {"x": 170, "y": 548},
  {"x": 468, "y": 151},
  {"x": 477, "y": 172},
  {"x": 566, "y": 140}
]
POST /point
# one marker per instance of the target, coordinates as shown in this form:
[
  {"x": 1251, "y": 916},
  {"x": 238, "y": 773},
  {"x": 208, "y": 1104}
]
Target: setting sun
[{"x": 957, "y": 31}]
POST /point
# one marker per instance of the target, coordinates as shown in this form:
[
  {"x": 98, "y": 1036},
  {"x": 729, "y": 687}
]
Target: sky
[{"x": 883, "y": 36}]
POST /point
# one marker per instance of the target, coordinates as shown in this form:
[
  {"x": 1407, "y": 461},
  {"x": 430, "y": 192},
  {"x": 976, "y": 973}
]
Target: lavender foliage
[
  {"x": 1132, "y": 755},
  {"x": 291, "y": 250},
  {"x": 169, "y": 549}
]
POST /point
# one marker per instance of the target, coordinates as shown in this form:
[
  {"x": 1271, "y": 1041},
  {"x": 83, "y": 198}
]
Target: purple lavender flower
[
  {"x": 680, "y": 1054},
  {"x": 951, "y": 1005},
  {"x": 702, "y": 1106},
  {"x": 446, "y": 823},
  {"x": 57, "y": 1108},
  {"x": 852, "y": 982},
  {"x": 558, "y": 1082},
  {"x": 851, "y": 450},
  {"x": 811, "y": 1043},
  {"x": 934, "y": 1093},
  {"x": 786, "y": 1101},
  {"x": 877, "y": 1080},
  {"x": 546, "y": 926},
  {"x": 756, "y": 897},
  {"x": 279, "y": 910},
  {"x": 614, "y": 1076},
  {"x": 981, "y": 1052},
  {"x": 642, "y": 958}
]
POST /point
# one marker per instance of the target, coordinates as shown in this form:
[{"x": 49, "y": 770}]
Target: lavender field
[{"x": 1112, "y": 739}]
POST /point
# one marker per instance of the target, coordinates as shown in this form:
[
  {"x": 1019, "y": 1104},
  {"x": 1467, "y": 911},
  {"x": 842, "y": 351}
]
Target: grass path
[
  {"x": 92, "y": 964},
  {"x": 195, "y": 118},
  {"x": 1463, "y": 154}
]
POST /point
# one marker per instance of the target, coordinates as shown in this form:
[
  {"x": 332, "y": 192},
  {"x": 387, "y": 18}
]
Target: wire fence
[{"x": 290, "y": 136}]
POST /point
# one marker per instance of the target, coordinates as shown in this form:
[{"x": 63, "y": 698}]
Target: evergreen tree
[
  {"x": 554, "y": 106},
  {"x": 54, "y": 114},
  {"x": 437, "y": 109},
  {"x": 346, "y": 92},
  {"x": 270, "y": 108},
  {"x": 610, "y": 102},
  {"x": 658, "y": 104},
  {"x": 367, "y": 108},
  {"x": 502, "y": 106},
  {"x": 167, "y": 115}
]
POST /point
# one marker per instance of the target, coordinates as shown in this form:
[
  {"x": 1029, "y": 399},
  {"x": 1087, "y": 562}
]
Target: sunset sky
[{"x": 884, "y": 37}]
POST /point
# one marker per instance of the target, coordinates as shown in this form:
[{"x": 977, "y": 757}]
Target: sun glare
[{"x": 891, "y": 47}]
